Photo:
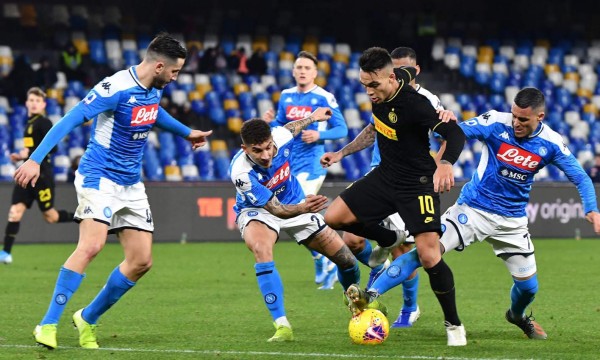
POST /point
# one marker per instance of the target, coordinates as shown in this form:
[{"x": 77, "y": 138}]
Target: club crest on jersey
[
  {"x": 297, "y": 112},
  {"x": 517, "y": 157},
  {"x": 543, "y": 151},
  {"x": 393, "y": 117},
  {"x": 286, "y": 152},
  {"x": 279, "y": 177},
  {"x": 144, "y": 115}
]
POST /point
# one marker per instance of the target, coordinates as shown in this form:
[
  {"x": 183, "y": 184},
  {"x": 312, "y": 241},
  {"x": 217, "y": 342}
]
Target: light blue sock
[
  {"x": 522, "y": 294},
  {"x": 67, "y": 283},
  {"x": 399, "y": 270},
  {"x": 271, "y": 288},
  {"x": 365, "y": 253},
  {"x": 349, "y": 276},
  {"x": 116, "y": 286},
  {"x": 410, "y": 289}
]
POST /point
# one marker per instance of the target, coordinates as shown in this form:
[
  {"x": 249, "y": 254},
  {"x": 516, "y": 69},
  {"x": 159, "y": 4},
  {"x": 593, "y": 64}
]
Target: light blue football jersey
[
  {"x": 124, "y": 112},
  {"x": 507, "y": 166},
  {"x": 294, "y": 105},
  {"x": 256, "y": 185}
]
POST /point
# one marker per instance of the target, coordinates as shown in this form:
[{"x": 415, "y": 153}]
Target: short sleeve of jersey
[
  {"x": 248, "y": 186},
  {"x": 281, "y": 136},
  {"x": 103, "y": 97},
  {"x": 479, "y": 127}
]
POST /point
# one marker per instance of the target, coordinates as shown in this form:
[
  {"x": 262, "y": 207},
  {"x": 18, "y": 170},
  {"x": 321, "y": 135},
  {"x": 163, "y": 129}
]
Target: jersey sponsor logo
[
  {"x": 28, "y": 142},
  {"x": 131, "y": 100},
  {"x": 239, "y": 183},
  {"x": 297, "y": 112},
  {"x": 279, "y": 191},
  {"x": 140, "y": 135},
  {"x": 515, "y": 175},
  {"x": 504, "y": 135},
  {"x": 106, "y": 86},
  {"x": 428, "y": 219},
  {"x": 385, "y": 130},
  {"x": 280, "y": 176},
  {"x": 518, "y": 157},
  {"x": 144, "y": 115}
]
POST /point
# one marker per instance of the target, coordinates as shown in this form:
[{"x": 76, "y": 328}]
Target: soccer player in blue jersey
[
  {"x": 112, "y": 198},
  {"x": 269, "y": 199},
  {"x": 491, "y": 206},
  {"x": 297, "y": 103},
  {"x": 410, "y": 311}
]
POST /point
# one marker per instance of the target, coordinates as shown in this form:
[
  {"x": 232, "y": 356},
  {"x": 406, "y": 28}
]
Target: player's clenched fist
[{"x": 330, "y": 158}]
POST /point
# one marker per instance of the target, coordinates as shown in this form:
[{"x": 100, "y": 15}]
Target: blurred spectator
[
  {"x": 20, "y": 79},
  {"x": 45, "y": 76},
  {"x": 71, "y": 63},
  {"x": 192, "y": 63},
  {"x": 257, "y": 65},
  {"x": 207, "y": 62},
  {"x": 595, "y": 171},
  {"x": 237, "y": 61},
  {"x": 190, "y": 118},
  {"x": 220, "y": 60}
]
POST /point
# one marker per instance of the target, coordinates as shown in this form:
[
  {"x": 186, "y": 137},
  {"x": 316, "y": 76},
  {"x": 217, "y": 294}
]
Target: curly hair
[{"x": 255, "y": 131}]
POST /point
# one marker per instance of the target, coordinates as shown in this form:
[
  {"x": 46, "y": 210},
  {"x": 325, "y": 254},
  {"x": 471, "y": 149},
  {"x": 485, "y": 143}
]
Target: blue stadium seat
[
  {"x": 153, "y": 171},
  {"x": 97, "y": 51},
  {"x": 217, "y": 115}
]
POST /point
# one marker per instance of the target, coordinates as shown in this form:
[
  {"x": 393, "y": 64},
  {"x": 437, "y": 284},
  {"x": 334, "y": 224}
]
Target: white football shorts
[
  {"x": 300, "y": 228},
  {"x": 310, "y": 187},
  {"x": 463, "y": 225},
  {"x": 118, "y": 206}
]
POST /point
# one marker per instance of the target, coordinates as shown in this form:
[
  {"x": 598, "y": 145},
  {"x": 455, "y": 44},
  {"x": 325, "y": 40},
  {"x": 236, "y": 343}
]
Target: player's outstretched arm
[
  {"x": 363, "y": 140},
  {"x": 321, "y": 114},
  {"x": 313, "y": 204},
  {"x": 27, "y": 173},
  {"x": 198, "y": 138}
]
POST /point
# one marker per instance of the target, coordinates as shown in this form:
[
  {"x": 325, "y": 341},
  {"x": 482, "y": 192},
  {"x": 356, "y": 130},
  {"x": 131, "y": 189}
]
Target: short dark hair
[
  {"x": 530, "y": 96},
  {"x": 402, "y": 52},
  {"x": 373, "y": 59},
  {"x": 255, "y": 131},
  {"x": 167, "y": 46},
  {"x": 37, "y": 92},
  {"x": 307, "y": 55}
]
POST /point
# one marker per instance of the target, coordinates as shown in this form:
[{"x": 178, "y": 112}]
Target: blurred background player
[
  {"x": 410, "y": 311},
  {"x": 269, "y": 199},
  {"x": 297, "y": 103},
  {"x": 43, "y": 192}
]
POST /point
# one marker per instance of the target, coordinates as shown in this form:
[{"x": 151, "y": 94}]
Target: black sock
[
  {"x": 65, "y": 216},
  {"x": 12, "y": 229},
  {"x": 442, "y": 284},
  {"x": 384, "y": 237}
]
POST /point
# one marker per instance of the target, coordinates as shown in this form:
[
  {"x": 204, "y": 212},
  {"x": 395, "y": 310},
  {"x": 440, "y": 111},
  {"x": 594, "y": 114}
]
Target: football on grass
[{"x": 370, "y": 327}]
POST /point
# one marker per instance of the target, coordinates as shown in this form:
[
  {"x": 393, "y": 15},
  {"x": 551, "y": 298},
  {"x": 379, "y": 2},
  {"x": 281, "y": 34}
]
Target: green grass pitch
[{"x": 201, "y": 301}]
